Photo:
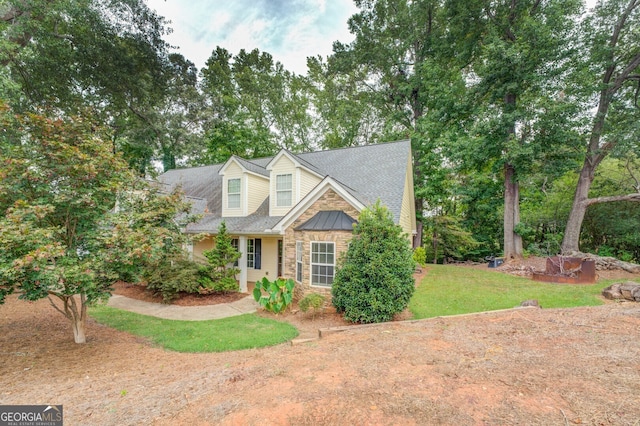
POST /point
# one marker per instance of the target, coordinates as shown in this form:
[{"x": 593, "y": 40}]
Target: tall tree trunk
[
  {"x": 512, "y": 241},
  {"x": 571, "y": 239}
]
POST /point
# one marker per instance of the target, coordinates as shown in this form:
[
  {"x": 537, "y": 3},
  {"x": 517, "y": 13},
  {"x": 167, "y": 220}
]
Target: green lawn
[
  {"x": 451, "y": 290},
  {"x": 227, "y": 334}
]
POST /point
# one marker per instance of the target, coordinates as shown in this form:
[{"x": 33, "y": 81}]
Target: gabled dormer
[
  {"x": 291, "y": 179},
  {"x": 245, "y": 186}
]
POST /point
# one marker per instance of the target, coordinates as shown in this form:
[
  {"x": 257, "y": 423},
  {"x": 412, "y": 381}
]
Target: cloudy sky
[{"x": 290, "y": 30}]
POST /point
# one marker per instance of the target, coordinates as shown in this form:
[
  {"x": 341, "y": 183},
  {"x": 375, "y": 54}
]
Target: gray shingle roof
[
  {"x": 371, "y": 171},
  {"x": 252, "y": 167},
  {"x": 367, "y": 172}
]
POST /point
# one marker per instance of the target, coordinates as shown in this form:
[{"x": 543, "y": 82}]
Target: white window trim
[
  {"x": 239, "y": 194},
  {"x": 251, "y": 253},
  {"x": 299, "y": 260},
  {"x": 290, "y": 191},
  {"x": 311, "y": 263}
]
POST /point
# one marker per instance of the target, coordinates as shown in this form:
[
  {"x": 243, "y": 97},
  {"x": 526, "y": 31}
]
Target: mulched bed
[{"x": 140, "y": 292}]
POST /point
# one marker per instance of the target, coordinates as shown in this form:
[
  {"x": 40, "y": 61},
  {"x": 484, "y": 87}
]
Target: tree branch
[
  {"x": 55, "y": 306},
  {"x": 613, "y": 198}
]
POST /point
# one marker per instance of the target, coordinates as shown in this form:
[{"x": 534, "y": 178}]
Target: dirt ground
[{"x": 518, "y": 367}]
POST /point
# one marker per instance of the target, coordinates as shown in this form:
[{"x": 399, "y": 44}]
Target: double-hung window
[
  {"x": 299, "y": 249},
  {"x": 284, "y": 190},
  {"x": 322, "y": 263},
  {"x": 233, "y": 193}
]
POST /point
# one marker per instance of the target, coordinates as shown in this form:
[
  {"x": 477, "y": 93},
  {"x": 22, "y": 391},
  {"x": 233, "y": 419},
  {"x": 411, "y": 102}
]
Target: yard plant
[
  {"x": 375, "y": 280},
  {"x": 279, "y": 294}
]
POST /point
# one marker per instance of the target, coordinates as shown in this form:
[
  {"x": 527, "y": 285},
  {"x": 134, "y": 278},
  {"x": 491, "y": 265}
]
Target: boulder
[{"x": 628, "y": 290}]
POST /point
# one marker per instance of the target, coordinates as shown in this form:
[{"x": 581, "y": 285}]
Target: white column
[
  {"x": 242, "y": 262},
  {"x": 189, "y": 248}
]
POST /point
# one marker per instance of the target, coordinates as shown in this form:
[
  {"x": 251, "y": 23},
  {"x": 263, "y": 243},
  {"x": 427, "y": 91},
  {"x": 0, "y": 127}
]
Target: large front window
[
  {"x": 284, "y": 190},
  {"x": 322, "y": 263},
  {"x": 233, "y": 193}
]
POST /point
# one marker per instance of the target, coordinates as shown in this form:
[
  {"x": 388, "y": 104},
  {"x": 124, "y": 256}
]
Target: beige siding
[
  {"x": 258, "y": 190},
  {"x": 233, "y": 171},
  {"x": 284, "y": 165},
  {"x": 198, "y": 247},
  {"x": 408, "y": 210},
  {"x": 269, "y": 264},
  {"x": 308, "y": 181}
]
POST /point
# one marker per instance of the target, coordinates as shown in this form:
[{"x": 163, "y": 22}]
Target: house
[{"x": 292, "y": 215}]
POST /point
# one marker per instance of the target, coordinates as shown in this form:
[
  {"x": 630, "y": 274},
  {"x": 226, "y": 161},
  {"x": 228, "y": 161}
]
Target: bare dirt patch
[{"x": 520, "y": 367}]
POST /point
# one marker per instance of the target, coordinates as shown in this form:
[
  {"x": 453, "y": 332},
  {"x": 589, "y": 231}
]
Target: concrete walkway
[{"x": 246, "y": 305}]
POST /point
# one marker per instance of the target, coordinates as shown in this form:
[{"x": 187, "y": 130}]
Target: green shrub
[
  {"x": 313, "y": 301},
  {"x": 420, "y": 256},
  {"x": 279, "y": 294},
  {"x": 210, "y": 283},
  {"x": 220, "y": 275},
  {"x": 173, "y": 276},
  {"x": 375, "y": 280}
]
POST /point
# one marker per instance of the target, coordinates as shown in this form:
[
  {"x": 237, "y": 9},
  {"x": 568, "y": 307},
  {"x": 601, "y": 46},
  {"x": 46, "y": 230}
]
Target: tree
[
  {"x": 448, "y": 239},
  {"x": 222, "y": 259},
  {"x": 375, "y": 279},
  {"x": 256, "y": 106},
  {"x": 610, "y": 38},
  {"x": 408, "y": 76},
  {"x": 103, "y": 55},
  {"x": 59, "y": 185},
  {"x": 518, "y": 55},
  {"x": 346, "y": 113}
]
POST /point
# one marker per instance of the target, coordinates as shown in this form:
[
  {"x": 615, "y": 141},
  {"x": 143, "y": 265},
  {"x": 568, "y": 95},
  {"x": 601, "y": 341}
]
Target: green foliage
[
  {"x": 222, "y": 335},
  {"x": 375, "y": 280},
  {"x": 221, "y": 274},
  {"x": 173, "y": 276},
  {"x": 279, "y": 294},
  {"x": 258, "y": 106},
  {"x": 58, "y": 185},
  {"x": 447, "y": 239},
  {"x": 420, "y": 256},
  {"x": 313, "y": 301},
  {"x": 75, "y": 217},
  {"x": 125, "y": 91}
]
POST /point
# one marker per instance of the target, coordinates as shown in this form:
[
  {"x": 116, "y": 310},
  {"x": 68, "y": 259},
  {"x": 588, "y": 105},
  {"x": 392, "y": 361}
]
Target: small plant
[
  {"x": 420, "y": 256},
  {"x": 279, "y": 294},
  {"x": 313, "y": 301}
]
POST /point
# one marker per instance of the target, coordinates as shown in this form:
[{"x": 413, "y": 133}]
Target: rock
[
  {"x": 627, "y": 290},
  {"x": 612, "y": 292},
  {"x": 531, "y": 302}
]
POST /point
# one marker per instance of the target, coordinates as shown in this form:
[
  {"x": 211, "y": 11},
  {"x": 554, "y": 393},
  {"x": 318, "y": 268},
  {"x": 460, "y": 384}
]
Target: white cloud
[{"x": 290, "y": 30}]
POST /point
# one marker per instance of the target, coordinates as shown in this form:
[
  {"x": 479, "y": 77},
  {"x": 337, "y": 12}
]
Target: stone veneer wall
[{"x": 330, "y": 200}]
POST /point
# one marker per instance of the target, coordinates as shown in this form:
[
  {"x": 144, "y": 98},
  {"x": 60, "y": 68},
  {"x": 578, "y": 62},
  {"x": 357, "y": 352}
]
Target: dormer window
[
  {"x": 284, "y": 190},
  {"x": 233, "y": 193}
]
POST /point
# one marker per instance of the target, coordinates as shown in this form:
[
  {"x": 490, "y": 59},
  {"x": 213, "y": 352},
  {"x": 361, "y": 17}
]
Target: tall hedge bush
[{"x": 375, "y": 279}]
